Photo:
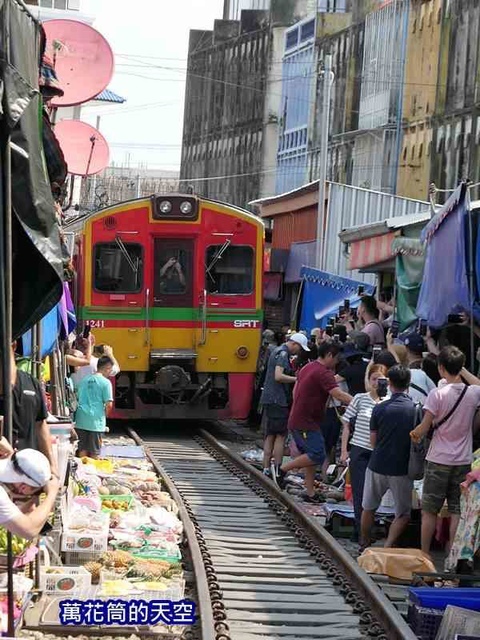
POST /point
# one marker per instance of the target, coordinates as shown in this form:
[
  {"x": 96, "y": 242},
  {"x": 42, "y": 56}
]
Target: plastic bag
[{"x": 395, "y": 563}]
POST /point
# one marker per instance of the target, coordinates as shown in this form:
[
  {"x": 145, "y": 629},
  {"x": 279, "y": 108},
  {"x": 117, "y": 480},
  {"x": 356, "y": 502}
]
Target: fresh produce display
[
  {"x": 117, "y": 588},
  {"x": 116, "y": 504},
  {"x": 154, "y": 569},
  {"x": 19, "y": 545}
]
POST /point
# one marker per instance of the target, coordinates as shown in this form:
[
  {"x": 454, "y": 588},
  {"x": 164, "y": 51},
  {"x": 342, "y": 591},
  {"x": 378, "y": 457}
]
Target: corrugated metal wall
[
  {"x": 350, "y": 207},
  {"x": 299, "y": 226}
]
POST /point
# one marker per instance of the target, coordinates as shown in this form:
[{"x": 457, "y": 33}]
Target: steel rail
[
  {"x": 207, "y": 622},
  {"x": 384, "y": 611}
]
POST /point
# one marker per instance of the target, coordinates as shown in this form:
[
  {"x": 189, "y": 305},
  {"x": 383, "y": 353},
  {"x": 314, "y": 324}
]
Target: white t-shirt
[
  {"x": 8, "y": 510},
  {"x": 89, "y": 370}
]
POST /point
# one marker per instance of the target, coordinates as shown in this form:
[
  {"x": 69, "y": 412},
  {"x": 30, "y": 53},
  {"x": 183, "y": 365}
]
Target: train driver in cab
[{"x": 172, "y": 279}]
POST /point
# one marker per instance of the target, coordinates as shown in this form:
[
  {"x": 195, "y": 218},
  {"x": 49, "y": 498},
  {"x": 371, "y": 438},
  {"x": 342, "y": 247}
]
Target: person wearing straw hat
[{"x": 26, "y": 474}]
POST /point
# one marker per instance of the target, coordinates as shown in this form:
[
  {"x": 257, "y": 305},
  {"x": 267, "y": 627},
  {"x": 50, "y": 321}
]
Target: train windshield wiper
[
  {"x": 217, "y": 257},
  {"x": 126, "y": 255}
]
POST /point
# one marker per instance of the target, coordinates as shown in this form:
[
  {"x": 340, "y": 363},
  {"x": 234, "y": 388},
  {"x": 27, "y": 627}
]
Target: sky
[{"x": 150, "y": 44}]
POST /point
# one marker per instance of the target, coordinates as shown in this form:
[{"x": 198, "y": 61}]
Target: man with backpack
[{"x": 450, "y": 410}]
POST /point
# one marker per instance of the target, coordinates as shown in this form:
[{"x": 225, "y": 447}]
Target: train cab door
[{"x": 172, "y": 305}]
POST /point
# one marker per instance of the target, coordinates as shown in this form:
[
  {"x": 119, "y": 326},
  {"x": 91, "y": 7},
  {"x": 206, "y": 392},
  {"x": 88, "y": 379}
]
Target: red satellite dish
[
  {"x": 82, "y": 58},
  {"x": 85, "y": 149}
]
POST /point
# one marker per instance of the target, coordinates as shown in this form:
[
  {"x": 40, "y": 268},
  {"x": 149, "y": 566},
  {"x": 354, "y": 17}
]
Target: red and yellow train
[{"x": 174, "y": 285}]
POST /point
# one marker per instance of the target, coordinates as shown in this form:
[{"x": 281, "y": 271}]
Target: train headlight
[
  {"x": 186, "y": 208},
  {"x": 242, "y": 353},
  {"x": 165, "y": 206}
]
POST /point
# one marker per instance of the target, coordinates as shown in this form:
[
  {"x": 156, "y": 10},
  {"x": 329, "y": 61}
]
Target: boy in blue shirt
[{"x": 95, "y": 401}]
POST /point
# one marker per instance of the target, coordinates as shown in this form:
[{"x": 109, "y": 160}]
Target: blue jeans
[
  {"x": 310, "y": 443},
  {"x": 359, "y": 459}
]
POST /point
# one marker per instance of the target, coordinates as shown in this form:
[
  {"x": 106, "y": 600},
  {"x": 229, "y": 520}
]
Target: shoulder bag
[{"x": 418, "y": 450}]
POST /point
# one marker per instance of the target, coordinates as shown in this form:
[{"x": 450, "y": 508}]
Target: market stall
[{"x": 119, "y": 539}]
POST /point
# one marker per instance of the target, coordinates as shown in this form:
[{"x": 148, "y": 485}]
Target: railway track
[{"x": 263, "y": 569}]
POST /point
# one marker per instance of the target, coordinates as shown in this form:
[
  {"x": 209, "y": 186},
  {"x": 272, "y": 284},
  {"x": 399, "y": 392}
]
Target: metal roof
[
  {"x": 110, "y": 96},
  {"x": 306, "y": 188},
  {"x": 363, "y": 231}
]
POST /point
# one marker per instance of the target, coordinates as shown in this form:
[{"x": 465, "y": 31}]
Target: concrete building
[
  {"x": 299, "y": 142},
  {"x": 119, "y": 183},
  {"x": 419, "y": 97},
  {"x": 222, "y": 145}
]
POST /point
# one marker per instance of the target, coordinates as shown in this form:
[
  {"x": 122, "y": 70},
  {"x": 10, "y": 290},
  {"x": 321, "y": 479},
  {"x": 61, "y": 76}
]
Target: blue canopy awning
[{"x": 323, "y": 293}]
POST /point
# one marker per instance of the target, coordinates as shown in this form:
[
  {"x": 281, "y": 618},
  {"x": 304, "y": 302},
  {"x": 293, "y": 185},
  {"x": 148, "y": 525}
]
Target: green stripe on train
[{"x": 174, "y": 314}]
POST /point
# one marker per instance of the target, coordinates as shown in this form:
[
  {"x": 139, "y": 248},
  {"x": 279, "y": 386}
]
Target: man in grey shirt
[{"x": 276, "y": 398}]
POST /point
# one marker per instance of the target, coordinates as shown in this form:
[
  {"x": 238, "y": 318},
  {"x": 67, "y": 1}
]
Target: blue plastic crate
[{"x": 441, "y": 597}]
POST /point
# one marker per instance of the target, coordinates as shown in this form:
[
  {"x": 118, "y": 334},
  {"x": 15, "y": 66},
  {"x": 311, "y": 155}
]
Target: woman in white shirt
[{"x": 359, "y": 412}]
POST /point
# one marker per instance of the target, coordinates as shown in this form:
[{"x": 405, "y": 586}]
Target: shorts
[
  {"x": 377, "y": 485},
  {"x": 89, "y": 441},
  {"x": 310, "y": 443},
  {"x": 276, "y": 420},
  {"x": 331, "y": 429},
  {"x": 442, "y": 482}
]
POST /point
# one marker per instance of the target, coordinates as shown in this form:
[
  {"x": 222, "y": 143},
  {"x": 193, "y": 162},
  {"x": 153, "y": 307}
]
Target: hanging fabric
[
  {"x": 444, "y": 288},
  {"x": 37, "y": 258},
  {"x": 409, "y": 266}
]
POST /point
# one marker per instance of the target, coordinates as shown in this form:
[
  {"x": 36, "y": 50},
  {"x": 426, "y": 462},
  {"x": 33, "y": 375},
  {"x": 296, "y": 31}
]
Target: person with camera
[
  {"x": 390, "y": 427},
  {"x": 356, "y": 425}
]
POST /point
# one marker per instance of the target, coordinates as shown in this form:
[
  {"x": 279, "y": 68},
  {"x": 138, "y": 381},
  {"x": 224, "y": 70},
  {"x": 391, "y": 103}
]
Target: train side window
[
  {"x": 229, "y": 270},
  {"x": 118, "y": 267}
]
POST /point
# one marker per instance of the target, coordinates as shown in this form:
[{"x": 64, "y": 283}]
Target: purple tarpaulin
[{"x": 445, "y": 285}]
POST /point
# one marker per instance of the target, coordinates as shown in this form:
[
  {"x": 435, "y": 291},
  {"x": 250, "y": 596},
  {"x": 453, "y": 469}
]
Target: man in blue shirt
[
  {"x": 390, "y": 426},
  {"x": 95, "y": 401}
]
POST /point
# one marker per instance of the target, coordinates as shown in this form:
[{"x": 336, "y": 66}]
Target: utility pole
[{"x": 322, "y": 170}]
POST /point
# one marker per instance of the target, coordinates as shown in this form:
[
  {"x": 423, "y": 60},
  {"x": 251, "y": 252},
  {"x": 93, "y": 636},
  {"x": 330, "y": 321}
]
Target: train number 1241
[{"x": 95, "y": 324}]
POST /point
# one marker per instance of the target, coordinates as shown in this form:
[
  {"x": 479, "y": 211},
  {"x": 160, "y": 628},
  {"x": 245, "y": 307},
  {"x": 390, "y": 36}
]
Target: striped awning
[{"x": 371, "y": 251}]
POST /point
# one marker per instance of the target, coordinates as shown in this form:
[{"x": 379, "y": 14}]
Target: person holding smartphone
[{"x": 356, "y": 425}]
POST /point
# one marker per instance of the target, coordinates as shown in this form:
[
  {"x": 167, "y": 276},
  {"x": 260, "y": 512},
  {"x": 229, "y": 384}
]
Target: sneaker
[{"x": 315, "y": 499}]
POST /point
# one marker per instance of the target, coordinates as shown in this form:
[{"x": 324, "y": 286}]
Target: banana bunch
[{"x": 19, "y": 545}]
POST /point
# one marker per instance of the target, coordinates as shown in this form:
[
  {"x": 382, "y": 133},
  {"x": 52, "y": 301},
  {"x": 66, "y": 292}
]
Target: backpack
[{"x": 418, "y": 450}]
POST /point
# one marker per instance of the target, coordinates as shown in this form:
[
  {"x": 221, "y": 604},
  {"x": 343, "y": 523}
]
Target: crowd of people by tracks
[
  {"x": 28, "y": 467},
  {"x": 394, "y": 410}
]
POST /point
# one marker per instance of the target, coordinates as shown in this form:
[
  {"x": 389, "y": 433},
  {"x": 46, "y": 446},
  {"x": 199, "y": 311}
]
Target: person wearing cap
[
  {"x": 276, "y": 398},
  {"x": 356, "y": 359},
  {"x": 421, "y": 384},
  {"x": 316, "y": 384},
  {"x": 26, "y": 474}
]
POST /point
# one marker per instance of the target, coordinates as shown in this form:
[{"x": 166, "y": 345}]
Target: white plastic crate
[
  {"x": 65, "y": 580},
  {"x": 174, "y": 592},
  {"x": 85, "y": 543}
]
